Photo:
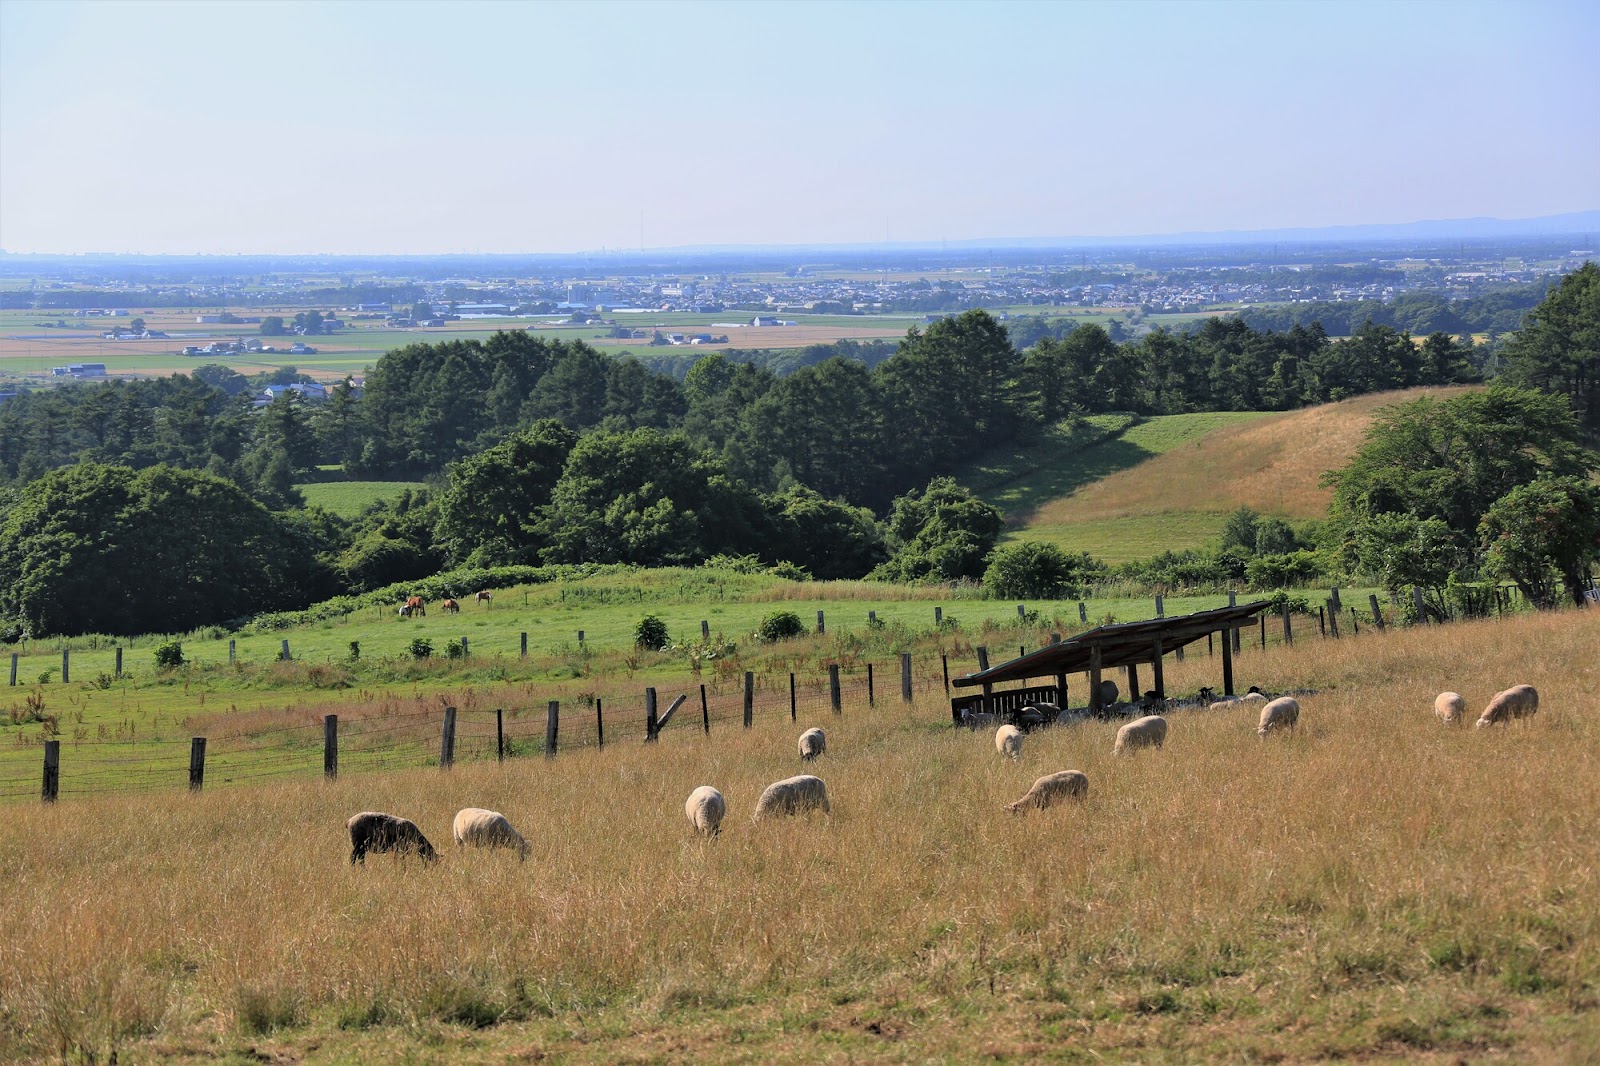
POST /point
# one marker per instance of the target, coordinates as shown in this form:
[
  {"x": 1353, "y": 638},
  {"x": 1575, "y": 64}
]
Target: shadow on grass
[{"x": 1065, "y": 460}]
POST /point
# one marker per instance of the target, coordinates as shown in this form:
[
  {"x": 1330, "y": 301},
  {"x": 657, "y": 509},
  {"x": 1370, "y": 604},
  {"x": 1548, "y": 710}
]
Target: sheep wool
[
  {"x": 705, "y": 809},
  {"x": 376, "y": 831},
  {"x": 487, "y": 829},
  {"x": 1052, "y": 789},
  {"x": 813, "y": 742},
  {"x": 792, "y": 795},
  {"x": 1008, "y": 742},
  {"x": 1450, "y": 708},
  {"x": 1518, "y": 701},
  {"x": 1283, "y": 712},
  {"x": 1147, "y": 732}
]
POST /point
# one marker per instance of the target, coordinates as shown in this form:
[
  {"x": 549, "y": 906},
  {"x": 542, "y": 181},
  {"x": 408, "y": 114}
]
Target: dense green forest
[
  {"x": 548, "y": 451},
  {"x": 1420, "y": 313}
]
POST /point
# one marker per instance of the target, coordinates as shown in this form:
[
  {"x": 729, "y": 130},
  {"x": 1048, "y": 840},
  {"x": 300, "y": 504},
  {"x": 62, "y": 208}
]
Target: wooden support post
[
  {"x": 197, "y": 763},
  {"x": 66, "y": 666},
  {"x": 1322, "y": 623},
  {"x": 580, "y": 639},
  {"x": 794, "y": 710},
  {"x": 651, "y": 723},
  {"x": 820, "y": 627},
  {"x": 905, "y": 676},
  {"x": 1133, "y": 682},
  {"x": 552, "y": 728},
  {"x": 464, "y": 645},
  {"x": 447, "y": 740},
  {"x": 1061, "y": 691},
  {"x": 983, "y": 658},
  {"x": 1333, "y": 595},
  {"x": 330, "y": 746},
  {"x": 1211, "y": 650},
  {"x": 834, "y": 696},
  {"x": 944, "y": 664},
  {"x": 600, "y": 723},
  {"x": 872, "y": 696},
  {"x": 14, "y": 669},
  {"x": 1156, "y": 668},
  {"x": 1233, "y": 627},
  {"x": 119, "y": 663},
  {"x": 1021, "y": 612},
  {"x": 1227, "y": 665},
  {"x": 233, "y": 649},
  {"x": 1263, "y": 631},
  {"x": 1094, "y": 679},
  {"x": 522, "y": 653},
  {"x": 938, "y": 616},
  {"x": 705, "y": 629},
  {"x": 749, "y": 699},
  {"x": 672, "y": 709},
  {"x": 1288, "y": 631},
  {"x": 50, "y": 788},
  {"x": 1333, "y": 622},
  {"x": 283, "y": 651},
  {"x": 872, "y": 619},
  {"x": 705, "y": 712},
  {"x": 499, "y": 734}
]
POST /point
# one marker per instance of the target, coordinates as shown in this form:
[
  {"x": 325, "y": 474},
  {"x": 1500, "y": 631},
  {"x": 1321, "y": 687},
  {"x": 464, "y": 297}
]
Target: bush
[
  {"x": 651, "y": 632},
  {"x": 169, "y": 656},
  {"x": 792, "y": 571},
  {"x": 421, "y": 648},
  {"x": 1285, "y": 570},
  {"x": 454, "y": 650},
  {"x": 1031, "y": 570},
  {"x": 780, "y": 625}
]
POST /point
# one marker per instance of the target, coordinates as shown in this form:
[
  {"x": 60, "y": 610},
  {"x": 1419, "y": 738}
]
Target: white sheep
[
  {"x": 705, "y": 808},
  {"x": 792, "y": 795},
  {"x": 1518, "y": 701},
  {"x": 1008, "y": 742},
  {"x": 1450, "y": 708},
  {"x": 487, "y": 829},
  {"x": 1052, "y": 788},
  {"x": 1147, "y": 732},
  {"x": 979, "y": 719},
  {"x": 1281, "y": 712},
  {"x": 813, "y": 742}
]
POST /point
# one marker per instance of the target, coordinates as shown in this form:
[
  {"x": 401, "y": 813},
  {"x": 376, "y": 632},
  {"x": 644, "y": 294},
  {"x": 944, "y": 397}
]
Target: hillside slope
[{"x": 1191, "y": 470}]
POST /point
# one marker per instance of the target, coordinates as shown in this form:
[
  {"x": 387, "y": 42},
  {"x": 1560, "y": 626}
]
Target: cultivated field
[
  {"x": 1376, "y": 887},
  {"x": 1173, "y": 491}
]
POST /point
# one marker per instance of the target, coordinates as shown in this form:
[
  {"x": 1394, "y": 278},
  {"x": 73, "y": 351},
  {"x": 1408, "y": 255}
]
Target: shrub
[
  {"x": 355, "y": 650},
  {"x": 1284, "y": 570},
  {"x": 421, "y": 648},
  {"x": 454, "y": 650},
  {"x": 651, "y": 632},
  {"x": 792, "y": 571},
  {"x": 780, "y": 625},
  {"x": 169, "y": 655},
  {"x": 1031, "y": 570}
]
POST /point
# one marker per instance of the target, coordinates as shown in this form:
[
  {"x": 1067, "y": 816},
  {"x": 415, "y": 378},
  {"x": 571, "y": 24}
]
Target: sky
[{"x": 419, "y": 128}]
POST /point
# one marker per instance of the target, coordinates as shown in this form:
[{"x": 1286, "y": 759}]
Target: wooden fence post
[
  {"x": 119, "y": 663},
  {"x": 197, "y": 763},
  {"x": 233, "y": 650},
  {"x": 1227, "y": 665},
  {"x": 833, "y": 688},
  {"x": 1161, "y": 607},
  {"x": 872, "y": 619},
  {"x": 1021, "y": 612},
  {"x": 705, "y": 712},
  {"x": 523, "y": 653},
  {"x": 330, "y": 746},
  {"x": 1333, "y": 621},
  {"x": 705, "y": 630},
  {"x": 13, "y": 669},
  {"x": 1417, "y": 601},
  {"x": 447, "y": 740},
  {"x": 1333, "y": 596},
  {"x": 651, "y": 723},
  {"x": 51, "y": 786},
  {"x": 580, "y": 638},
  {"x": 552, "y": 728},
  {"x": 464, "y": 646},
  {"x": 1355, "y": 624},
  {"x": 1288, "y": 630},
  {"x": 283, "y": 652},
  {"x": 793, "y": 709},
  {"x": 944, "y": 664},
  {"x": 1377, "y": 615},
  {"x": 600, "y": 722},
  {"x": 820, "y": 627},
  {"x": 1263, "y": 631},
  {"x": 938, "y": 616},
  {"x": 499, "y": 734},
  {"x": 1083, "y": 611},
  {"x": 871, "y": 694},
  {"x": 749, "y": 699},
  {"x": 905, "y": 676},
  {"x": 672, "y": 709},
  {"x": 66, "y": 666}
]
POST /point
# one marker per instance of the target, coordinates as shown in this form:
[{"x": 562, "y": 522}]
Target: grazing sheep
[
  {"x": 1147, "y": 732},
  {"x": 813, "y": 742},
  {"x": 1283, "y": 711},
  {"x": 376, "y": 831},
  {"x": 1255, "y": 695},
  {"x": 1108, "y": 692},
  {"x": 1518, "y": 701},
  {"x": 792, "y": 795},
  {"x": 979, "y": 719},
  {"x": 1052, "y": 788},
  {"x": 1035, "y": 715},
  {"x": 1008, "y": 742},
  {"x": 705, "y": 808},
  {"x": 487, "y": 829},
  {"x": 1450, "y": 708}
]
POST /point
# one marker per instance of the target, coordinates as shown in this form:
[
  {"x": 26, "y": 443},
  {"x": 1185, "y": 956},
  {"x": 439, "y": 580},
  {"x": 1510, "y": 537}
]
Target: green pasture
[
  {"x": 347, "y": 499},
  {"x": 1122, "y": 540}
]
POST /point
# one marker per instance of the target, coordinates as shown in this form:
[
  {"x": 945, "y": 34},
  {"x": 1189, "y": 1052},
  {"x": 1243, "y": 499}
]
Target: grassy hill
[
  {"x": 349, "y": 498},
  {"x": 1131, "y": 490}
]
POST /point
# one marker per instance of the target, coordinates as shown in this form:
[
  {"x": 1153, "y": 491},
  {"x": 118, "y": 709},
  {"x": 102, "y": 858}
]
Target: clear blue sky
[{"x": 399, "y": 127}]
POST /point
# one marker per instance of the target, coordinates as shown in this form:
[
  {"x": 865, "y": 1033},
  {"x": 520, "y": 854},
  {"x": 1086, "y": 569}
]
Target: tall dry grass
[{"x": 1375, "y": 885}]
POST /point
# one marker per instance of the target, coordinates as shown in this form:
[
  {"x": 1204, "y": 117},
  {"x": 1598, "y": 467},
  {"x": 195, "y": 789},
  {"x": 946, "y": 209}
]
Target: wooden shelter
[{"x": 1125, "y": 644}]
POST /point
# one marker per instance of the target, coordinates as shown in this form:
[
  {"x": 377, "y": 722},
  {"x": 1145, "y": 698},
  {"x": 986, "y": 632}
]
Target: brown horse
[
  {"x": 451, "y": 605},
  {"x": 418, "y": 608},
  {"x": 484, "y": 597}
]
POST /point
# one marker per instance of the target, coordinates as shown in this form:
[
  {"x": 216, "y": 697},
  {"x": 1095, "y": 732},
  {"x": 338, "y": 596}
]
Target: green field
[{"x": 347, "y": 499}]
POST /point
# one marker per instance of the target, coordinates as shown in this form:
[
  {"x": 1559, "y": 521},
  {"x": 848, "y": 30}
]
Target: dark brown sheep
[{"x": 376, "y": 831}]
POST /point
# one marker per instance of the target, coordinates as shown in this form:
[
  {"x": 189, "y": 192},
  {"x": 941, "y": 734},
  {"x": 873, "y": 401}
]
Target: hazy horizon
[{"x": 424, "y": 129}]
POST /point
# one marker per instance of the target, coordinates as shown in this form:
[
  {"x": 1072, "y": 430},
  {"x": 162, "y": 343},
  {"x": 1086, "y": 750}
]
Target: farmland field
[
  {"x": 348, "y": 499},
  {"x": 1375, "y": 888}
]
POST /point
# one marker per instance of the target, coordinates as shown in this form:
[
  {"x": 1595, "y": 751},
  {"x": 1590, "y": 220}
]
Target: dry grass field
[{"x": 1376, "y": 887}]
